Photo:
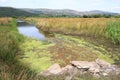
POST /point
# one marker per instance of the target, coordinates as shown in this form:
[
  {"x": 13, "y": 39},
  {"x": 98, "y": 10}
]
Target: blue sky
[{"x": 80, "y": 5}]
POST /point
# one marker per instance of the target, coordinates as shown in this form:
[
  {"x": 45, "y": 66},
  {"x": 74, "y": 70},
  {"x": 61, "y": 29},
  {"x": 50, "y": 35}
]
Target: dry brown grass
[
  {"x": 5, "y": 20},
  {"x": 74, "y": 26}
]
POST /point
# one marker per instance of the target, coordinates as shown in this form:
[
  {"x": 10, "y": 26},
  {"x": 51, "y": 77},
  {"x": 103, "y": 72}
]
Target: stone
[
  {"x": 81, "y": 64},
  {"x": 109, "y": 70},
  {"x": 55, "y": 69},
  {"x": 67, "y": 69},
  {"x": 118, "y": 71},
  {"x": 102, "y": 63},
  {"x": 94, "y": 68},
  {"x": 104, "y": 74},
  {"x": 113, "y": 70}
]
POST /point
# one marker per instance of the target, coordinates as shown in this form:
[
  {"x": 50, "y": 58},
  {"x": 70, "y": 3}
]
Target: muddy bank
[{"x": 99, "y": 41}]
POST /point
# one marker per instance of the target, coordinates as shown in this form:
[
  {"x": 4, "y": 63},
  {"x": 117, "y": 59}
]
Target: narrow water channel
[{"x": 29, "y": 30}]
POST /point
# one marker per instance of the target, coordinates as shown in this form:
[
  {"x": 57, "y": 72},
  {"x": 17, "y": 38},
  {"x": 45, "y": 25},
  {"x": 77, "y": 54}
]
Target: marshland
[
  {"x": 66, "y": 39},
  {"x": 55, "y": 40}
]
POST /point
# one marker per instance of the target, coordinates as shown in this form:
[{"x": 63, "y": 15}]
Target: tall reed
[
  {"x": 113, "y": 31},
  {"x": 74, "y": 26},
  {"x": 94, "y": 27}
]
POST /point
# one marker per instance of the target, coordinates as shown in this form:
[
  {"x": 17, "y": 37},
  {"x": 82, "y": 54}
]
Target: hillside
[
  {"x": 53, "y": 11},
  {"x": 68, "y": 12},
  {"x": 13, "y": 12},
  {"x": 26, "y": 12}
]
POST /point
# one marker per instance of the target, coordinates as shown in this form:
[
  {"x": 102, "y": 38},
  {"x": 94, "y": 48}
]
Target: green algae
[
  {"x": 35, "y": 54},
  {"x": 100, "y": 52},
  {"x": 39, "y": 55}
]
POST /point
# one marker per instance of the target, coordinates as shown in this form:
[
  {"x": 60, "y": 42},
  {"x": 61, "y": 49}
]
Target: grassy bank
[{"x": 10, "y": 39}]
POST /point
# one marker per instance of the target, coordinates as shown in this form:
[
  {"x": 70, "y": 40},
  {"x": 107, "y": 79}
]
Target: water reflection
[{"x": 29, "y": 30}]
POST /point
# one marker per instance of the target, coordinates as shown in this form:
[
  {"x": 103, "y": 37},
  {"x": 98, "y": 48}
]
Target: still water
[{"x": 29, "y": 30}]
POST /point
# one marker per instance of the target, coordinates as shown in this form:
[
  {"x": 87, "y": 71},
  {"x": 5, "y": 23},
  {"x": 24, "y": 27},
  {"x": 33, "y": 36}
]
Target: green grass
[
  {"x": 113, "y": 31},
  {"x": 9, "y": 41}
]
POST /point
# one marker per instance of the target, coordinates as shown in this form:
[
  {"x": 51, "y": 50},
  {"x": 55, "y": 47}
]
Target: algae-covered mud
[{"x": 39, "y": 55}]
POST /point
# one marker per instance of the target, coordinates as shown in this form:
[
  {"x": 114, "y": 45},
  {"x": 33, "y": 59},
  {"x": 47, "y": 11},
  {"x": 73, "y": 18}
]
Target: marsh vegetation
[
  {"x": 101, "y": 32},
  {"x": 67, "y": 39}
]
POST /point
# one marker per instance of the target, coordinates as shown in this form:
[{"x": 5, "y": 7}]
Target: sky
[{"x": 79, "y": 5}]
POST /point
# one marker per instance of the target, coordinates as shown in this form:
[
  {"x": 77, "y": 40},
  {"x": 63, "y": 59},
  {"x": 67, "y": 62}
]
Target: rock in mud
[
  {"x": 81, "y": 64},
  {"x": 55, "y": 69},
  {"x": 67, "y": 69},
  {"x": 102, "y": 63},
  {"x": 96, "y": 68}
]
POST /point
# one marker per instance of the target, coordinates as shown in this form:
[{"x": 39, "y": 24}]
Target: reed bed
[
  {"x": 75, "y": 26},
  {"x": 80, "y": 26}
]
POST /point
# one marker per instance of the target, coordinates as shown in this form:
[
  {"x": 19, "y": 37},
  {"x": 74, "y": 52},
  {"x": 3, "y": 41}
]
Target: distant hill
[
  {"x": 13, "y": 12},
  {"x": 99, "y": 12},
  {"x": 53, "y": 12},
  {"x": 67, "y": 12},
  {"x": 26, "y": 12}
]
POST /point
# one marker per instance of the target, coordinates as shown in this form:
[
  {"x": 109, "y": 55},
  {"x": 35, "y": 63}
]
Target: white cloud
[
  {"x": 3, "y": 0},
  {"x": 62, "y": 4},
  {"x": 65, "y": 2},
  {"x": 97, "y": 2},
  {"x": 116, "y": 8}
]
